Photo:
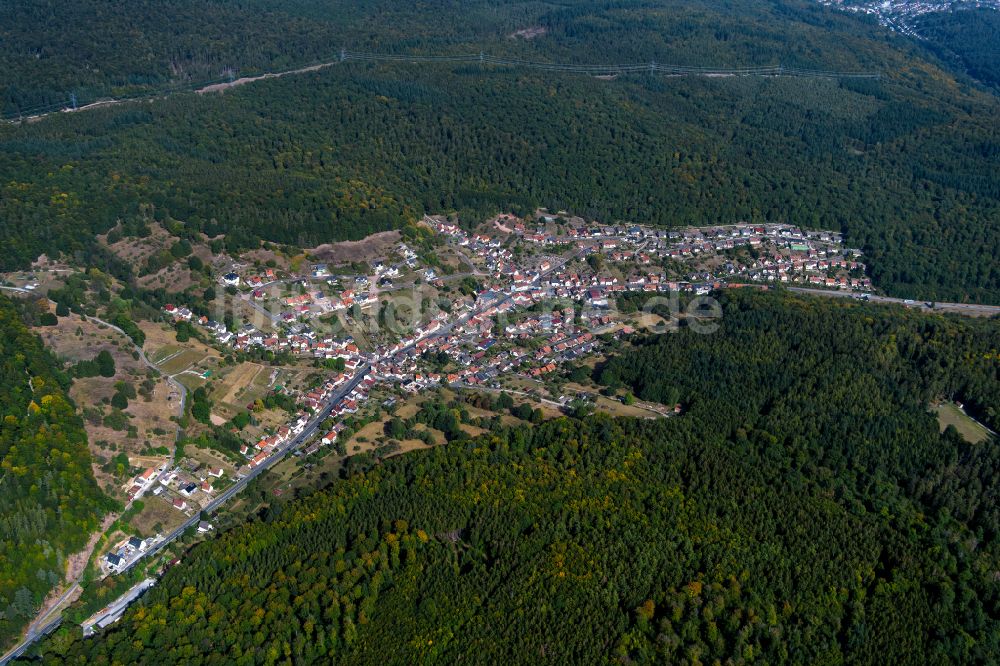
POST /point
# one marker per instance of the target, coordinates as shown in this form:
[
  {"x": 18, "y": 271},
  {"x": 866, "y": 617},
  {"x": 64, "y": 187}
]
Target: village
[
  {"x": 508, "y": 305},
  {"x": 518, "y": 301},
  {"x": 517, "y": 267},
  {"x": 300, "y": 359}
]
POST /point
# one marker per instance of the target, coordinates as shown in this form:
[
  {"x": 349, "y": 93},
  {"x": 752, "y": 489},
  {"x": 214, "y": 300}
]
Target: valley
[{"x": 499, "y": 332}]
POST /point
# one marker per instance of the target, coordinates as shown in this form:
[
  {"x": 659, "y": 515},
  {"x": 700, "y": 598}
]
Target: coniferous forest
[
  {"x": 804, "y": 509},
  {"x": 49, "y": 500},
  {"x": 967, "y": 39},
  {"x": 906, "y": 165}
]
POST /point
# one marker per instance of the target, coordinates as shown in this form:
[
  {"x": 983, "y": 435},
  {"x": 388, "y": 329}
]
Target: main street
[
  {"x": 268, "y": 462},
  {"x": 30, "y": 640},
  {"x": 39, "y": 629},
  {"x": 113, "y": 611},
  {"x": 447, "y": 328}
]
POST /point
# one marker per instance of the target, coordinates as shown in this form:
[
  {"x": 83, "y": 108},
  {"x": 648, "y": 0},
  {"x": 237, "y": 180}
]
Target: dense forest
[
  {"x": 804, "y": 509},
  {"x": 906, "y": 165},
  {"x": 49, "y": 500},
  {"x": 95, "y": 48},
  {"x": 766, "y": 338},
  {"x": 967, "y": 39}
]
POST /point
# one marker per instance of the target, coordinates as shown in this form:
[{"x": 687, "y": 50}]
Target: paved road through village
[
  {"x": 971, "y": 309},
  {"x": 268, "y": 462}
]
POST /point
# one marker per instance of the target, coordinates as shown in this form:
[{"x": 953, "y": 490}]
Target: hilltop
[{"x": 905, "y": 165}]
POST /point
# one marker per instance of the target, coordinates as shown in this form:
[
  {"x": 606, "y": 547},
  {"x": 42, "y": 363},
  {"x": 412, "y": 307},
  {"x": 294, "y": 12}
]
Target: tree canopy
[
  {"x": 49, "y": 500},
  {"x": 905, "y": 165},
  {"x": 802, "y": 510}
]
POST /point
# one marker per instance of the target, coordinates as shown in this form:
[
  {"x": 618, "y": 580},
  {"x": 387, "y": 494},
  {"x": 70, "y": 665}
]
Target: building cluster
[
  {"x": 315, "y": 401},
  {"x": 507, "y": 327},
  {"x": 776, "y": 252},
  {"x": 297, "y": 338},
  {"x": 126, "y": 551},
  {"x": 184, "y": 489}
]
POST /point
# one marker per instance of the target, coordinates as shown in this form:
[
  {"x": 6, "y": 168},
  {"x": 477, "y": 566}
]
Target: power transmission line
[{"x": 481, "y": 58}]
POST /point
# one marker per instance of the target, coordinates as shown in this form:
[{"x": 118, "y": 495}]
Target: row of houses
[
  {"x": 298, "y": 339},
  {"x": 316, "y": 399},
  {"x": 797, "y": 256}
]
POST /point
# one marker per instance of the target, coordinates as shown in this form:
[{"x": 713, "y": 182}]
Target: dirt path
[
  {"x": 222, "y": 87},
  {"x": 182, "y": 391},
  {"x": 76, "y": 565}
]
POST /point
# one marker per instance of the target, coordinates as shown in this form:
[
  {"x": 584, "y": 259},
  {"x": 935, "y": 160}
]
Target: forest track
[{"x": 601, "y": 71}]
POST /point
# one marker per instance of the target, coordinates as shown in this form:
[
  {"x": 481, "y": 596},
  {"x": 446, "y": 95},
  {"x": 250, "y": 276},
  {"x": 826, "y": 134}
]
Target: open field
[
  {"x": 948, "y": 413},
  {"x": 237, "y": 387},
  {"x": 74, "y": 339},
  {"x": 373, "y": 436},
  {"x": 609, "y": 405},
  {"x": 152, "y": 419},
  {"x": 234, "y": 387},
  {"x": 162, "y": 336},
  {"x": 289, "y": 475},
  {"x": 650, "y": 321},
  {"x": 174, "y": 278},
  {"x": 212, "y": 458},
  {"x": 505, "y": 418},
  {"x": 238, "y": 382},
  {"x": 180, "y": 361},
  {"x": 190, "y": 380},
  {"x": 165, "y": 353},
  {"x": 266, "y": 419},
  {"x": 267, "y": 257},
  {"x": 157, "y": 516},
  {"x": 135, "y": 251},
  {"x": 612, "y": 406},
  {"x": 375, "y": 246},
  {"x": 408, "y": 408},
  {"x": 407, "y": 445}
]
